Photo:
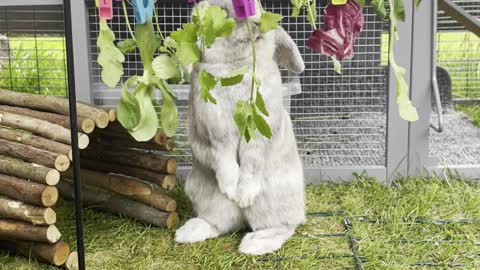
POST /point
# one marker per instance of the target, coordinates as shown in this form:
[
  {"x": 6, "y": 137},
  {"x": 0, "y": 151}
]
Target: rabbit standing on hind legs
[{"x": 234, "y": 184}]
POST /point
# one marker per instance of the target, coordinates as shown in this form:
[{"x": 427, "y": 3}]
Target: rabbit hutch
[{"x": 344, "y": 123}]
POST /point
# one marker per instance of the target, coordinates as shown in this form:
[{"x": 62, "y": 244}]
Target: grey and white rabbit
[{"x": 234, "y": 184}]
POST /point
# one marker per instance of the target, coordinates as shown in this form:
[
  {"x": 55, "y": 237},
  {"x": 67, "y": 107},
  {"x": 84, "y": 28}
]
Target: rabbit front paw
[
  {"x": 227, "y": 177},
  {"x": 248, "y": 190}
]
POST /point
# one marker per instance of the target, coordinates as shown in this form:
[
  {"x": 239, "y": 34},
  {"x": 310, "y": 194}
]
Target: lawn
[{"x": 414, "y": 224}]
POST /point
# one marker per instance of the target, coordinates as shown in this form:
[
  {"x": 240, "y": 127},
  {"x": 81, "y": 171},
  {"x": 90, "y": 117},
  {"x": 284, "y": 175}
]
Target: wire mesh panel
[
  {"x": 338, "y": 119},
  {"x": 459, "y": 52},
  {"x": 32, "y": 49},
  {"x": 458, "y": 72}
]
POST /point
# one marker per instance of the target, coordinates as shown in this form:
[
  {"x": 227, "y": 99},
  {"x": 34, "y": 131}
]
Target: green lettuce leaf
[{"x": 110, "y": 58}]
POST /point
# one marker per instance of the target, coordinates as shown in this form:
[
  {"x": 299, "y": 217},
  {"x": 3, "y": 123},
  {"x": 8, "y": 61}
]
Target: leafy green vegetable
[
  {"x": 110, "y": 58},
  {"x": 188, "y": 53},
  {"x": 337, "y": 66},
  {"x": 164, "y": 67},
  {"x": 207, "y": 83},
  {"x": 127, "y": 46},
  {"x": 234, "y": 78},
  {"x": 261, "y": 125},
  {"x": 129, "y": 109},
  {"x": 146, "y": 42},
  {"x": 418, "y": 2},
  {"x": 260, "y": 103},
  {"x": 406, "y": 109},
  {"x": 241, "y": 114},
  {"x": 399, "y": 10},
  {"x": 214, "y": 23},
  {"x": 269, "y": 21},
  {"x": 168, "y": 113},
  {"x": 186, "y": 34},
  {"x": 361, "y": 3},
  {"x": 148, "y": 125},
  {"x": 379, "y": 7}
]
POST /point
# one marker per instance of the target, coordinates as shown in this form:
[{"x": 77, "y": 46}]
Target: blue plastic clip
[{"x": 143, "y": 10}]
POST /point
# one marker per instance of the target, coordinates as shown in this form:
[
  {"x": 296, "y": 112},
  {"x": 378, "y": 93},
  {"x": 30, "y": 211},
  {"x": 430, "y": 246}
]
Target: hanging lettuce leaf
[
  {"x": 399, "y": 10},
  {"x": 406, "y": 109},
  {"x": 188, "y": 53},
  {"x": 261, "y": 125},
  {"x": 168, "y": 113},
  {"x": 260, "y": 103},
  {"x": 110, "y": 58},
  {"x": 148, "y": 125},
  {"x": 129, "y": 114},
  {"x": 379, "y": 7},
  {"x": 146, "y": 42},
  {"x": 207, "y": 83},
  {"x": 127, "y": 46},
  {"x": 269, "y": 21},
  {"x": 233, "y": 79},
  {"x": 164, "y": 67}
]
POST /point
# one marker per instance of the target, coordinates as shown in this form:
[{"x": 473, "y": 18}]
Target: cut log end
[
  {"x": 49, "y": 196},
  {"x": 171, "y": 206},
  {"x": 70, "y": 155},
  {"x": 72, "y": 261},
  {"x": 53, "y": 234},
  {"x": 102, "y": 120},
  {"x": 160, "y": 138},
  {"x": 169, "y": 182},
  {"x": 173, "y": 220},
  {"x": 88, "y": 126},
  {"x": 83, "y": 141},
  {"x": 112, "y": 115},
  {"x": 61, "y": 255},
  {"x": 52, "y": 177},
  {"x": 50, "y": 216},
  {"x": 171, "y": 166},
  {"x": 62, "y": 163}
]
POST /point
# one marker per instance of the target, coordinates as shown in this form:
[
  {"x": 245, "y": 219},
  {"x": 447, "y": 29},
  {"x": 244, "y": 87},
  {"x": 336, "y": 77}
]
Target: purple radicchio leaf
[{"x": 341, "y": 26}]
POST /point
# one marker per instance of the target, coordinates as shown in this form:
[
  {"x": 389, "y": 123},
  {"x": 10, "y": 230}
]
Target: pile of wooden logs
[{"x": 118, "y": 174}]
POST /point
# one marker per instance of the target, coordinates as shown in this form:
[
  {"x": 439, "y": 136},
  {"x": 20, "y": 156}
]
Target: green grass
[
  {"x": 37, "y": 66},
  {"x": 407, "y": 226},
  {"x": 473, "y": 112}
]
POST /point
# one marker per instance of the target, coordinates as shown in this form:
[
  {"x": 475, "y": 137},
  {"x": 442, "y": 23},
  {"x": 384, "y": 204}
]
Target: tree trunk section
[
  {"x": 21, "y": 169},
  {"x": 128, "y": 187},
  {"x": 56, "y": 254},
  {"x": 122, "y": 205},
  {"x": 29, "y": 192},
  {"x": 53, "y": 104},
  {"x": 13, "y": 209},
  {"x": 124, "y": 143},
  {"x": 72, "y": 261},
  {"x": 34, "y": 155},
  {"x": 84, "y": 124},
  {"x": 135, "y": 159},
  {"x": 18, "y": 230},
  {"x": 166, "y": 181},
  {"x": 42, "y": 128},
  {"x": 35, "y": 141}
]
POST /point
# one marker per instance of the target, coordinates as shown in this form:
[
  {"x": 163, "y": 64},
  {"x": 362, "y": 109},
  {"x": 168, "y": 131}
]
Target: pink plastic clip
[
  {"x": 244, "y": 8},
  {"x": 105, "y": 9}
]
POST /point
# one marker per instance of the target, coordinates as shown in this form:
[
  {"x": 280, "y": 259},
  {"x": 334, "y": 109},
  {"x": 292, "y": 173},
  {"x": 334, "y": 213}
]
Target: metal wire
[
  {"x": 338, "y": 119},
  {"x": 72, "y": 100}
]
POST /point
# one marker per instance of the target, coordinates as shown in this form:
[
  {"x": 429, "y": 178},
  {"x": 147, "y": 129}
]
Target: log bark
[
  {"x": 53, "y": 104},
  {"x": 124, "y": 143},
  {"x": 121, "y": 205},
  {"x": 29, "y": 171},
  {"x": 42, "y": 128},
  {"x": 35, "y": 141},
  {"x": 19, "y": 230},
  {"x": 29, "y": 192},
  {"x": 34, "y": 155},
  {"x": 72, "y": 261},
  {"x": 166, "y": 181},
  {"x": 128, "y": 187},
  {"x": 84, "y": 124},
  {"x": 56, "y": 254},
  {"x": 13, "y": 209},
  {"x": 135, "y": 159}
]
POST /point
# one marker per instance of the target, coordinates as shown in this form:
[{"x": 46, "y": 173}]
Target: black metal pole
[{"x": 67, "y": 17}]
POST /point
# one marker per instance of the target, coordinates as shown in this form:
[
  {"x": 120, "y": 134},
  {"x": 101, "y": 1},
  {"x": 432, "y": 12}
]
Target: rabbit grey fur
[{"x": 234, "y": 184}]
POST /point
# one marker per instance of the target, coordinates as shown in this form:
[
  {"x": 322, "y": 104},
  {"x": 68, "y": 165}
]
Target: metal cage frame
[{"x": 407, "y": 144}]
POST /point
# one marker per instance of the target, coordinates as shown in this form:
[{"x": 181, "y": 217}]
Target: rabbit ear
[{"x": 286, "y": 53}]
